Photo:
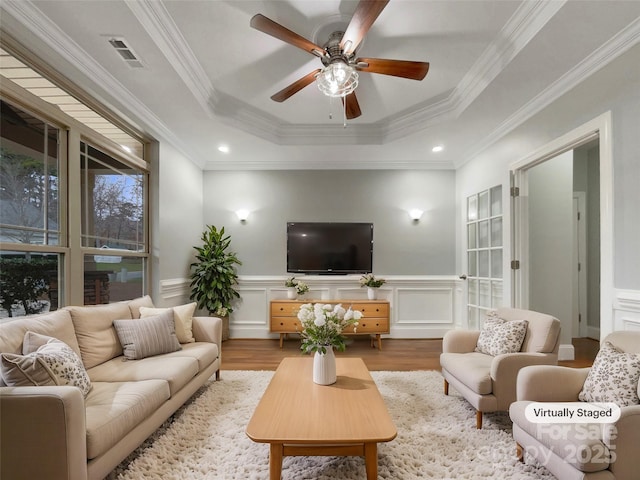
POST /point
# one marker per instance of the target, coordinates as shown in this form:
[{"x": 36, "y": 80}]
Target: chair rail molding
[{"x": 421, "y": 306}]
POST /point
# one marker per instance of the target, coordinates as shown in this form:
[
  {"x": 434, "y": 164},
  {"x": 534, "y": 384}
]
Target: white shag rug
[{"x": 437, "y": 438}]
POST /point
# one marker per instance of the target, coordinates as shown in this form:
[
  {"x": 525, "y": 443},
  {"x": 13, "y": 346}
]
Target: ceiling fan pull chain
[{"x": 330, "y": 108}]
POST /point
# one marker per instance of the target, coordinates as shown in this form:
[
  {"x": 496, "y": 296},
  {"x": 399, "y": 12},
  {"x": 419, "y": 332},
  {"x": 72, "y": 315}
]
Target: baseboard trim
[{"x": 566, "y": 352}]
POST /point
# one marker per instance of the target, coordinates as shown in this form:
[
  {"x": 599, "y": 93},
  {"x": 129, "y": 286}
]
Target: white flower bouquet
[{"x": 323, "y": 324}]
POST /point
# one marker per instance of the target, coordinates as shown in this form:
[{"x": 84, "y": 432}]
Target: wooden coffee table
[{"x": 299, "y": 418}]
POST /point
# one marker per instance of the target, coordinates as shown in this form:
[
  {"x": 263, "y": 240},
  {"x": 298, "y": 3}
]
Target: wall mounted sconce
[
  {"x": 415, "y": 214},
  {"x": 242, "y": 215}
]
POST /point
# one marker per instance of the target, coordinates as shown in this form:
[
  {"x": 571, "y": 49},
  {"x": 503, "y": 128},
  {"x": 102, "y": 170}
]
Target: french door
[{"x": 484, "y": 254}]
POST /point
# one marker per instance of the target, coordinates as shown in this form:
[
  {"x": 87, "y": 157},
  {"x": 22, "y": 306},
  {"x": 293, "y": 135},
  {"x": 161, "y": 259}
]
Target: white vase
[
  {"x": 371, "y": 293},
  {"x": 291, "y": 293},
  {"x": 324, "y": 367}
]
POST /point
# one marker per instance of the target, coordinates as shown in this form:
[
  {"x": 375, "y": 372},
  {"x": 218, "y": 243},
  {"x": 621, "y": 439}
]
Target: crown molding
[
  {"x": 32, "y": 18},
  {"x": 157, "y": 22},
  {"x": 524, "y": 24},
  {"x": 609, "y": 51},
  {"x": 329, "y": 164}
]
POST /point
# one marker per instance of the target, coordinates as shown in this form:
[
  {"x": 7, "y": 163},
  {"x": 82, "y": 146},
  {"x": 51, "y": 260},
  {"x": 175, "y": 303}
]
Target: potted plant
[
  {"x": 371, "y": 282},
  {"x": 295, "y": 287},
  {"x": 213, "y": 276}
]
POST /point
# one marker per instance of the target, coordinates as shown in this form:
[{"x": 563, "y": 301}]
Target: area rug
[{"x": 437, "y": 438}]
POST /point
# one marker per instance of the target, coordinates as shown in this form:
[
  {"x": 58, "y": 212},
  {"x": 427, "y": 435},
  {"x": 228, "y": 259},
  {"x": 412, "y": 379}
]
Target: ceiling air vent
[{"x": 126, "y": 52}]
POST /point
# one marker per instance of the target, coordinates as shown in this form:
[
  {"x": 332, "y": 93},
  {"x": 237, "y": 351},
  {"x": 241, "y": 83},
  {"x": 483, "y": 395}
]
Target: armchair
[
  {"x": 579, "y": 451},
  {"x": 488, "y": 382}
]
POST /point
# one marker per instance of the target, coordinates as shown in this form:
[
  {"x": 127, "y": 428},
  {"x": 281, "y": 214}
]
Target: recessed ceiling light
[
  {"x": 437, "y": 148},
  {"x": 223, "y": 148}
]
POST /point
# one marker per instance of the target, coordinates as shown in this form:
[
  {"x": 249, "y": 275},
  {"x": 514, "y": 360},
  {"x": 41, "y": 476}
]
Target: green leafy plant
[
  {"x": 25, "y": 282},
  {"x": 293, "y": 282},
  {"x": 369, "y": 280},
  {"x": 213, "y": 275}
]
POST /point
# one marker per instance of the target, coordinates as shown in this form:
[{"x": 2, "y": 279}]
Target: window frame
[{"x": 72, "y": 132}]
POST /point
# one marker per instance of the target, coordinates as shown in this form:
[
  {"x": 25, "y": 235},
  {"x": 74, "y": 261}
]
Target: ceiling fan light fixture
[{"x": 337, "y": 79}]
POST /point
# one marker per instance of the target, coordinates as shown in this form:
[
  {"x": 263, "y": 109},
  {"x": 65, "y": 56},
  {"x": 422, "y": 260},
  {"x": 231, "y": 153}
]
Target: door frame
[{"x": 600, "y": 128}]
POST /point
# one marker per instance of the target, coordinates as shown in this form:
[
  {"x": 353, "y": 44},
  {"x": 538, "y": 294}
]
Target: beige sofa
[
  {"x": 488, "y": 382},
  {"x": 580, "y": 451},
  {"x": 55, "y": 432}
]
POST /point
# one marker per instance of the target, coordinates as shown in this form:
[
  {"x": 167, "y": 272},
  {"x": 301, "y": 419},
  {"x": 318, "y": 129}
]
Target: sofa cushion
[
  {"x": 113, "y": 409},
  {"x": 96, "y": 335},
  {"x": 52, "y": 363},
  {"x": 472, "y": 369},
  {"x": 205, "y": 353},
  {"x": 135, "y": 304},
  {"x": 182, "y": 316},
  {"x": 55, "y": 324},
  {"x": 177, "y": 370},
  {"x": 613, "y": 377},
  {"x": 578, "y": 444},
  {"x": 499, "y": 336},
  {"x": 146, "y": 337}
]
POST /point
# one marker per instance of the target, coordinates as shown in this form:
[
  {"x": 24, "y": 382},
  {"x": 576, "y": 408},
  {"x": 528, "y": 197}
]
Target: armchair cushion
[
  {"x": 613, "y": 377},
  {"x": 499, "y": 336}
]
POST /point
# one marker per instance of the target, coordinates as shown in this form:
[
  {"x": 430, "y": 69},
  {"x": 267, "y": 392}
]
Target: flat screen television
[{"x": 326, "y": 248}]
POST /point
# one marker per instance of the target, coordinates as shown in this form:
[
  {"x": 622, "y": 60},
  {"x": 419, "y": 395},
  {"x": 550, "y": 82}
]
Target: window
[
  {"x": 29, "y": 213},
  {"x": 113, "y": 221},
  {"x": 73, "y": 221}
]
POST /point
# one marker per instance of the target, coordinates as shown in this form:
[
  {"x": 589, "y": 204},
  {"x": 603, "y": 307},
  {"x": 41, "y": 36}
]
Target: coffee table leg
[
  {"x": 275, "y": 461},
  {"x": 371, "y": 460}
]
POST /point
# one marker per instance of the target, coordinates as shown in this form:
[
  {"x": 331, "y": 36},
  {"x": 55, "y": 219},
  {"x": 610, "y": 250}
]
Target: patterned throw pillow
[
  {"x": 148, "y": 336},
  {"x": 613, "y": 377},
  {"x": 53, "y": 363},
  {"x": 500, "y": 336}
]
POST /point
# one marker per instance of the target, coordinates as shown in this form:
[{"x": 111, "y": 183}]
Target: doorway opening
[{"x": 561, "y": 228}]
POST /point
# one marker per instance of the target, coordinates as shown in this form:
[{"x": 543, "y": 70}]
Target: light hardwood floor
[{"x": 396, "y": 354}]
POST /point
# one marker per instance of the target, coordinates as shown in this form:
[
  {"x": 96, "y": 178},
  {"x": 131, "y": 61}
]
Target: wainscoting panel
[
  {"x": 423, "y": 311},
  {"x": 626, "y": 310},
  {"x": 174, "y": 291},
  {"x": 421, "y": 307}
]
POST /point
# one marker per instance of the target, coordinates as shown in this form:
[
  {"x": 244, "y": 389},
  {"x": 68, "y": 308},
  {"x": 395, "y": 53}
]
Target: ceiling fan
[{"x": 339, "y": 77}]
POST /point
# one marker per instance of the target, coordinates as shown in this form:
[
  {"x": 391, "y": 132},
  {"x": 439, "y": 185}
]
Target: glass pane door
[{"x": 484, "y": 254}]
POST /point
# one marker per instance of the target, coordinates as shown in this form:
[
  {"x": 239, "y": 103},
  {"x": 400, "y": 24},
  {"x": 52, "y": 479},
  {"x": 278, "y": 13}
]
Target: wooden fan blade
[
  {"x": 295, "y": 87},
  {"x": 397, "y": 68},
  {"x": 366, "y": 13},
  {"x": 268, "y": 26},
  {"x": 352, "y": 106}
]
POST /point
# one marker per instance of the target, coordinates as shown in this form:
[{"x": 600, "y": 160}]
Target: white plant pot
[
  {"x": 324, "y": 367},
  {"x": 291, "y": 293},
  {"x": 371, "y": 293}
]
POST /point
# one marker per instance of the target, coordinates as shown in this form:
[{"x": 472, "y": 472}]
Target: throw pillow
[
  {"x": 53, "y": 363},
  {"x": 182, "y": 316},
  {"x": 499, "y": 336},
  {"x": 148, "y": 336},
  {"x": 613, "y": 377}
]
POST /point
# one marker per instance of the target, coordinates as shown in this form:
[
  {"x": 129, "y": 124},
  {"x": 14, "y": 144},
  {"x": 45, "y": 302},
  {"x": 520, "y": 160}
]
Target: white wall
[
  {"x": 177, "y": 222},
  {"x": 615, "y": 88},
  {"x": 401, "y": 246}
]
